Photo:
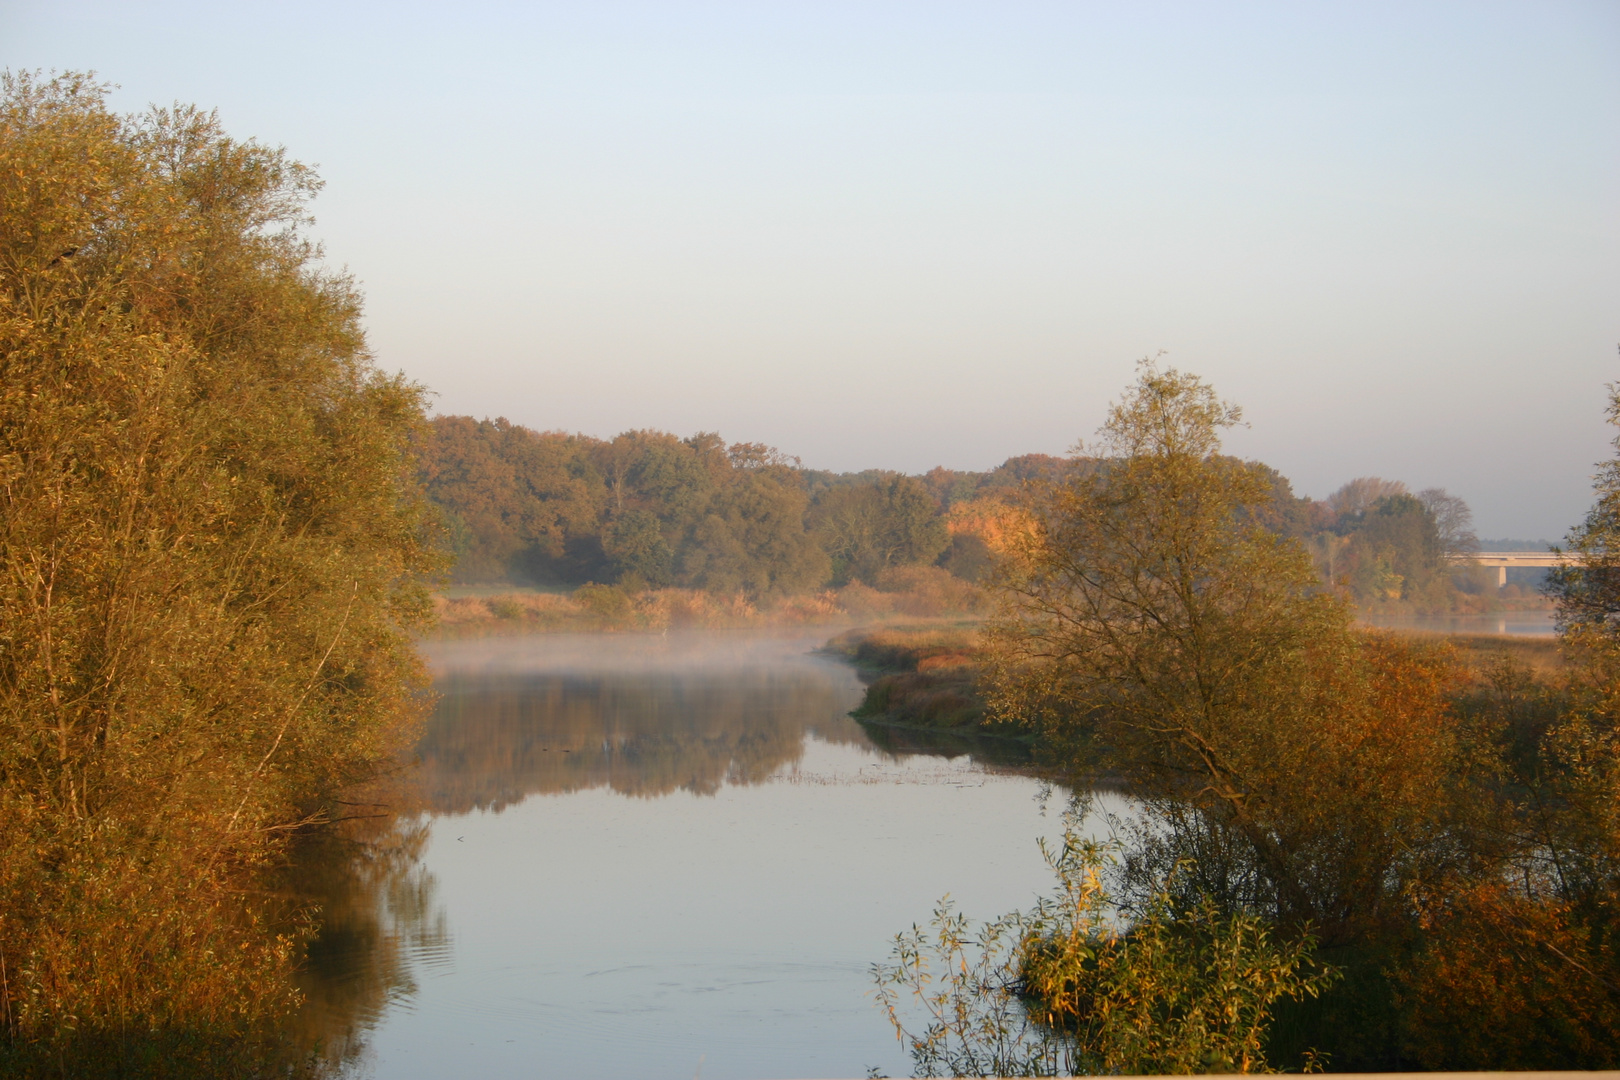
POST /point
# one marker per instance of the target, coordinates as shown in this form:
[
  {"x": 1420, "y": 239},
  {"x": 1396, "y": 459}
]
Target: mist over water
[
  {"x": 641, "y": 715},
  {"x": 644, "y": 852},
  {"x": 1509, "y": 623}
]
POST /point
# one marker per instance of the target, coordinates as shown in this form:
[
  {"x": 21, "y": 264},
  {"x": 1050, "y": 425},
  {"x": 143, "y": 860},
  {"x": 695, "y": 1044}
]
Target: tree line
[{"x": 649, "y": 509}]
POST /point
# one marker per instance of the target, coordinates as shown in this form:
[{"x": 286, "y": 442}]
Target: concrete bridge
[{"x": 1505, "y": 560}]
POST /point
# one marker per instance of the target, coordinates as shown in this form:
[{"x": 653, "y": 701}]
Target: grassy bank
[
  {"x": 913, "y": 592},
  {"x": 1479, "y": 651},
  {"x": 923, "y": 677}
]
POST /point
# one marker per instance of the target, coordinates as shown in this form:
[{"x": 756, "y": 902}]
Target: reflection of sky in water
[
  {"x": 1512, "y": 623},
  {"x": 601, "y": 928}
]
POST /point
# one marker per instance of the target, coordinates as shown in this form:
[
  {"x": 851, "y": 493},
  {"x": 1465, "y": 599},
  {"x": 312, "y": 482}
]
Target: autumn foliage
[
  {"x": 649, "y": 510},
  {"x": 1443, "y": 822},
  {"x": 212, "y": 556}
]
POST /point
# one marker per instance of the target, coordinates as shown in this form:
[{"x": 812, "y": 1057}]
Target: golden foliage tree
[
  {"x": 1152, "y": 618},
  {"x": 211, "y": 544},
  {"x": 1521, "y": 968}
]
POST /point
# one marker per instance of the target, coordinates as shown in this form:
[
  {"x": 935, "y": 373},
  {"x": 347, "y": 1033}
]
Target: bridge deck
[
  {"x": 1517, "y": 558},
  {"x": 1504, "y": 561}
]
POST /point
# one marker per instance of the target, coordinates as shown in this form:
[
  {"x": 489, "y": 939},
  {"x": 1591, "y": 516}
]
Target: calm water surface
[
  {"x": 663, "y": 857},
  {"x": 1513, "y": 623}
]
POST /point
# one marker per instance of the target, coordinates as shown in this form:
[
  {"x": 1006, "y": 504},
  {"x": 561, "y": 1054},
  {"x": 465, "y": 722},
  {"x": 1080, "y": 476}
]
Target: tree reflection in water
[
  {"x": 378, "y": 922},
  {"x": 498, "y": 739},
  {"x": 643, "y": 716}
]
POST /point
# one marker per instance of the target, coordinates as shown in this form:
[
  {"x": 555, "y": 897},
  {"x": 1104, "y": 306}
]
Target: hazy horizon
[{"x": 903, "y": 235}]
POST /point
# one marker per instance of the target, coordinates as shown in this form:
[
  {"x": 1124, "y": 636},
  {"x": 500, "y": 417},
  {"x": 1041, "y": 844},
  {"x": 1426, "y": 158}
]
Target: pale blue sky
[{"x": 901, "y": 235}]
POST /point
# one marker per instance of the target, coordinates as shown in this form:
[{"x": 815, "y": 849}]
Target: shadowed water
[{"x": 660, "y": 856}]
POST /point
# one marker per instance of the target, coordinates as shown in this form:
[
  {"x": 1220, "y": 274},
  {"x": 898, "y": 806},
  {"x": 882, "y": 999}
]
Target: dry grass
[
  {"x": 923, "y": 676},
  {"x": 1479, "y": 652},
  {"x": 1540, "y": 654},
  {"x": 911, "y": 647},
  {"x": 906, "y": 592}
]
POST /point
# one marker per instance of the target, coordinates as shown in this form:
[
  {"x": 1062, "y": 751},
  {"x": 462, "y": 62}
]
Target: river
[
  {"x": 1509, "y": 623},
  {"x": 645, "y": 856}
]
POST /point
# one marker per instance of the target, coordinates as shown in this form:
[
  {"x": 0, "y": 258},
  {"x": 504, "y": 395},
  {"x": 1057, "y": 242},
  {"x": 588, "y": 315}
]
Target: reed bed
[{"x": 910, "y": 592}]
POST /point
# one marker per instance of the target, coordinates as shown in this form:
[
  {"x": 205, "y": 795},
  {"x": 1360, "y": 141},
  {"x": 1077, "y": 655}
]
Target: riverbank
[
  {"x": 910, "y": 593},
  {"x": 923, "y": 677},
  {"x": 915, "y": 644},
  {"x": 926, "y": 677}
]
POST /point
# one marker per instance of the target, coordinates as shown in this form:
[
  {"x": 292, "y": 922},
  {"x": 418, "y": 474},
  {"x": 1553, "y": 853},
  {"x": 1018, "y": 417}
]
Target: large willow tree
[{"x": 211, "y": 550}]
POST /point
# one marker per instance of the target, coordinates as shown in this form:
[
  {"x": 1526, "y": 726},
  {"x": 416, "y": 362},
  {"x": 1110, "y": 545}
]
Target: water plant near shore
[{"x": 1074, "y": 987}]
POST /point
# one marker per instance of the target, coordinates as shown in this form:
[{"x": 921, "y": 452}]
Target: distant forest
[{"x": 651, "y": 510}]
